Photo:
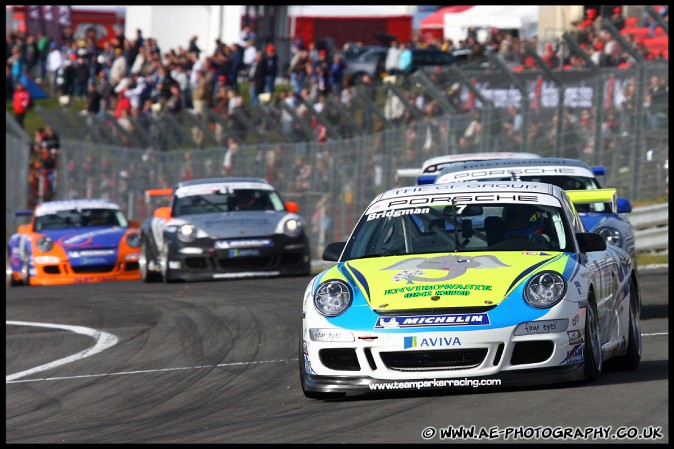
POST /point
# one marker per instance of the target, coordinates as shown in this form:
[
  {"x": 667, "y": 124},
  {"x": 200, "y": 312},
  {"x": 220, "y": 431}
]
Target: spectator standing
[
  {"x": 231, "y": 156},
  {"x": 119, "y": 67},
  {"x": 405, "y": 61},
  {"x": 193, "y": 47},
  {"x": 271, "y": 71},
  {"x": 93, "y": 102},
  {"x": 256, "y": 78},
  {"x": 104, "y": 88},
  {"x": 249, "y": 52},
  {"x": 200, "y": 94},
  {"x": 298, "y": 70},
  {"x": 31, "y": 55},
  {"x": 9, "y": 86},
  {"x": 17, "y": 62},
  {"x": 43, "y": 51},
  {"x": 617, "y": 18},
  {"x": 392, "y": 63},
  {"x": 20, "y": 102},
  {"x": 81, "y": 72},
  {"x": 336, "y": 77}
]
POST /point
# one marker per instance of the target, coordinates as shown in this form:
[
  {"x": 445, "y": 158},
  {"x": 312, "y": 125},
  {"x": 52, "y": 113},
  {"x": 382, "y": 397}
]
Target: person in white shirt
[
  {"x": 54, "y": 64},
  {"x": 392, "y": 62}
]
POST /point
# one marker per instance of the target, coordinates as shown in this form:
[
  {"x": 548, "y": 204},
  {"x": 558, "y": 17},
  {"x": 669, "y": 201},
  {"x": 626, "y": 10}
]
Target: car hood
[
  {"x": 442, "y": 281},
  {"x": 234, "y": 224},
  {"x": 84, "y": 238}
]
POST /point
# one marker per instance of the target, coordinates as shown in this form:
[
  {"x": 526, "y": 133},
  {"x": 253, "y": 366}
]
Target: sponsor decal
[
  {"x": 398, "y": 213},
  {"x": 575, "y": 355},
  {"x": 535, "y": 253},
  {"x": 436, "y": 290},
  {"x": 90, "y": 253},
  {"x": 412, "y": 269},
  {"x": 227, "y": 244},
  {"x": 541, "y": 327},
  {"x": 576, "y": 318},
  {"x": 575, "y": 337},
  {"x": 430, "y": 342},
  {"x": 456, "y": 319},
  {"x": 243, "y": 252}
]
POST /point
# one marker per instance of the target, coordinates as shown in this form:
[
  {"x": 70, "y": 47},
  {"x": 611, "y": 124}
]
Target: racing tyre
[
  {"x": 592, "y": 351},
  {"x": 313, "y": 394},
  {"x": 630, "y": 360},
  {"x": 145, "y": 273},
  {"x": 25, "y": 273},
  {"x": 165, "y": 272}
]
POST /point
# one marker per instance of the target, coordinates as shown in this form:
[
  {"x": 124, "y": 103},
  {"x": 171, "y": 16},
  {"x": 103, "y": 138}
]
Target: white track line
[
  {"x": 103, "y": 342},
  {"x": 220, "y": 365}
]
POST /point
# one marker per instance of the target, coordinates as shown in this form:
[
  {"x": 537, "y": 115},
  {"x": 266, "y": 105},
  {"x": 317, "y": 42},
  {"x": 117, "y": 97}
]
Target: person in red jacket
[{"x": 21, "y": 103}]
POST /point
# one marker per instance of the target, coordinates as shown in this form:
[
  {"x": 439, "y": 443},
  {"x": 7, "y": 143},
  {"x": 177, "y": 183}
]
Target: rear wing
[
  {"x": 594, "y": 196},
  {"x": 157, "y": 192},
  {"x": 23, "y": 213}
]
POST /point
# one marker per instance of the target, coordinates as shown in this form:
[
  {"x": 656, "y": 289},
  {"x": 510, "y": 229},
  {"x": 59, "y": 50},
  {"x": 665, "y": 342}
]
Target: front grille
[
  {"x": 342, "y": 359},
  {"x": 93, "y": 269},
  {"x": 244, "y": 263},
  {"x": 451, "y": 359},
  {"x": 196, "y": 263},
  {"x": 531, "y": 352},
  {"x": 52, "y": 269}
]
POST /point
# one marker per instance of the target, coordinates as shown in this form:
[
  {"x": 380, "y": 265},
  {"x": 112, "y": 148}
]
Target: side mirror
[
  {"x": 333, "y": 250},
  {"x": 589, "y": 241},
  {"x": 624, "y": 206},
  {"x": 426, "y": 179},
  {"x": 292, "y": 207},
  {"x": 134, "y": 224},
  {"x": 163, "y": 212}
]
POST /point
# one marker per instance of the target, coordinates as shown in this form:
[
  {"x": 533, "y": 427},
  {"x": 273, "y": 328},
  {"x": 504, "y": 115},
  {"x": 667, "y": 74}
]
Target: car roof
[
  {"x": 49, "y": 207},
  {"x": 517, "y": 163},
  {"x": 220, "y": 180},
  {"x": 467, "y": 157}
]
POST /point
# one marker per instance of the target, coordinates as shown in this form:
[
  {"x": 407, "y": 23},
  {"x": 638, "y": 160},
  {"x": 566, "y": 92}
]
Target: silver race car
[{"x": 224, "y": 228}]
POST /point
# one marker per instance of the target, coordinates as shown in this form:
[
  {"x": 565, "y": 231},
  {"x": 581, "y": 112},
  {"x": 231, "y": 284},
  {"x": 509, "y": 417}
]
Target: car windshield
[
  {"x": 227, "y": 201},
  {"x": 80, "y": 218},
  {"x": 476, "y": 227}
]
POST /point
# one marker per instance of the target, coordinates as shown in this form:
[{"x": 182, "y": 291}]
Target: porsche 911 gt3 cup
[
  {"x": 468, "y": 285},
  {"x": 432, "y": 166},
  {"x": 220, "y": 228},
  {"x": 605, "y": 218},
  {"x": 74, "y": 241}
]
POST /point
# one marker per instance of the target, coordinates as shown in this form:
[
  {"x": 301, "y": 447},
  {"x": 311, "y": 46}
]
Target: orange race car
[{"x": 74, "y": 241}]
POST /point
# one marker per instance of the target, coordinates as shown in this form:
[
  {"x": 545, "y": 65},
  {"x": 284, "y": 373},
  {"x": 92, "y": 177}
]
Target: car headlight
[
  {"x": 611, "y": 235},
  {"x": 332, "y": 297},
  {"x": 133, "y": 240},
  {"x": 45, "y": 244},
  {"x": 292, "y": 227},
  {"x": 187, "y": 233},
  {"x": 545, "y": 289}
]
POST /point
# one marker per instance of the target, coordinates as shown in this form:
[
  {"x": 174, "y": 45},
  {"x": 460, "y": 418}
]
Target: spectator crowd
[{"x": 131, "y": 77}]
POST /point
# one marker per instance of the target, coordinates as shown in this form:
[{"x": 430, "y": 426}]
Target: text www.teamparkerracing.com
[
  {"x": 435, "y": 383},
  {"x": 541, "y": 432}
]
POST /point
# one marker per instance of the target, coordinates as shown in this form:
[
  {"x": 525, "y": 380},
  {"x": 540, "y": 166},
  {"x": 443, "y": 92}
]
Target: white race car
[
  {"x": 608, "y": 219},
  {"x": 468, "y": 285},
  {"x": 431, "y": 167}
]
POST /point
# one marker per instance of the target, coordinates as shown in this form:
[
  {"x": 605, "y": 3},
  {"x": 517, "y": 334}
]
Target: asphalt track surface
[{"x": 217, "y": 362}]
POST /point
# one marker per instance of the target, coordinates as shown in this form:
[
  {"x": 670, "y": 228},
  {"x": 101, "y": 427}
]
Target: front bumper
[
  {"x": 282, "y": 256},
  {"x": 340, "y": 360}
]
